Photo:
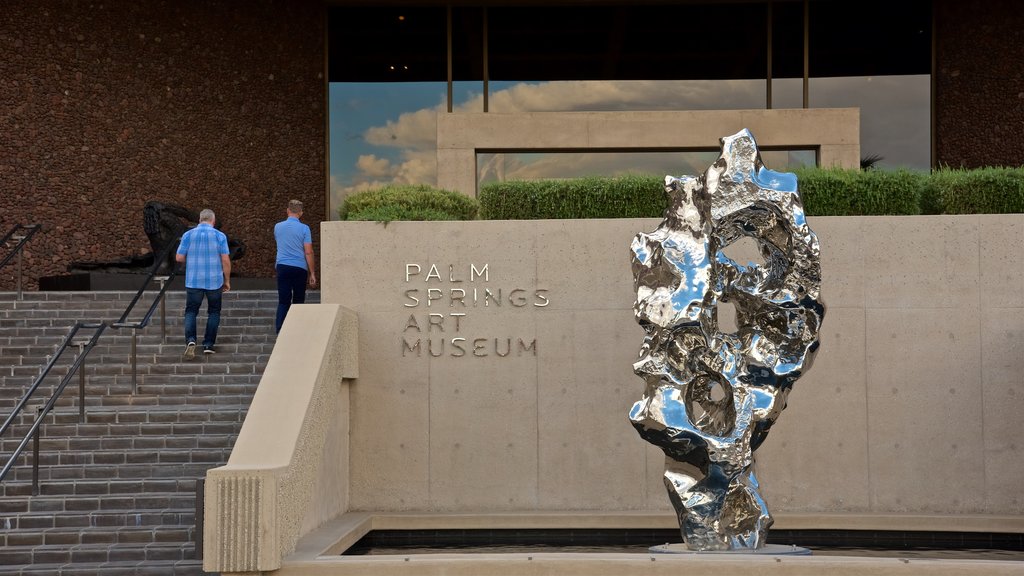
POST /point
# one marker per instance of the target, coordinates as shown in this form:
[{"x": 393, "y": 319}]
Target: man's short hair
[
  {"x": 294, "y": 206},
  {"x": 206, "y": 215}
]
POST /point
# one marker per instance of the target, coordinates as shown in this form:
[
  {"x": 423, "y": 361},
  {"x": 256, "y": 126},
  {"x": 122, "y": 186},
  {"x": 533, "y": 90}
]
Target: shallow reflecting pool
[{"x": 879, "y": 544}]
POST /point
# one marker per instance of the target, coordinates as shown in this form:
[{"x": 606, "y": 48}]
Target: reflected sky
[{"x": 383, "y": 133}]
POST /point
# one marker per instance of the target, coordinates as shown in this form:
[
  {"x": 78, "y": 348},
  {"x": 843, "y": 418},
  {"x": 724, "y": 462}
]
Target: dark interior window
[{"x": 689, "y": 41}]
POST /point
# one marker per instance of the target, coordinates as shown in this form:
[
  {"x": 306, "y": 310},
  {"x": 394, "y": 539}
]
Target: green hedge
[
  {"x": 593, "y": 197},
  {"x": 838, "y": 192},
  {"x": 981, "y": 191},
  {"x": 415, "y": 202},
  {"x": 825, "y": 192}
]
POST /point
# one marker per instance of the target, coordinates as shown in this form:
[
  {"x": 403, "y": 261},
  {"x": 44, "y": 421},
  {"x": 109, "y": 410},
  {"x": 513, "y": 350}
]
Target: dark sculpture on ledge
[{"x": 164, "y": 224}]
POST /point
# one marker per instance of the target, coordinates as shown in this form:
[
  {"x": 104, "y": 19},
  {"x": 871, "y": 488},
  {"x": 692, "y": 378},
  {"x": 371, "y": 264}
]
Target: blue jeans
[
  {"x": 193, "y": 300},
  {"x": 291, "y": 289}
]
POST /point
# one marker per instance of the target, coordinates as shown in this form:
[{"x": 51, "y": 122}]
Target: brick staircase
[{"x": 118, "y": 492}]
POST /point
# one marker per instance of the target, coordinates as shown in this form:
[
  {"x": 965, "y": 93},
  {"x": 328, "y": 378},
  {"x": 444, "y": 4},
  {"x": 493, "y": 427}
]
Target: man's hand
[
  {"x": 226, "y": 287},
  {"x": 312, "y": 279}
]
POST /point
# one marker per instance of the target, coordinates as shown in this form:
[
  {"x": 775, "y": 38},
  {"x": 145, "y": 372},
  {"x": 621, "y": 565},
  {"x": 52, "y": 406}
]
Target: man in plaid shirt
[{"x": 204, "y": 251}]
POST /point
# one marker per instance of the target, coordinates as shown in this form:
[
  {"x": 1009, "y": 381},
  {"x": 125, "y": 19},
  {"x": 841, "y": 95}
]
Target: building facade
[{"x": 240, "y": 106}]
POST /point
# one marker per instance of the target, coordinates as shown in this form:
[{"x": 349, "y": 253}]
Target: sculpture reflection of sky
[{"x": 384, "y": 133}]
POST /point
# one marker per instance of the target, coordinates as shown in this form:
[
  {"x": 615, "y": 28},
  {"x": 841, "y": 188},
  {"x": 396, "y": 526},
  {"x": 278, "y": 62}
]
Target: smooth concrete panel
[
  {"x": 606, "y": 282},
  {"x": 825, "y": 421},
  {"x": 456, "y": 170},
  {"x": 483, "y": 422},
  {"x": 1003, "y": 396},
  {"x": 351, "y": 258},
  {"x": 835, "y": 133},
  {"x": 588, "y": 455},
  {"x": 842, "y": 260},
  {"x": 330, "y": 497},
  {"x": 389, "y": 452},
  {"x": 917, "y": 333},
  {"x": 925, "y": 410},
  {"x": 1002, "y": 276},
  {"x": 921, "y": 261},
  {"x": 519, "y": 130}
]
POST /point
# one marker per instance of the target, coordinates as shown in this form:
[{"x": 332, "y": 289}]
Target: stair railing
[
  {"x": 34, "y": 432},
  {"x": 160, "y": 300},
  {"x": 28, "y": 231}
]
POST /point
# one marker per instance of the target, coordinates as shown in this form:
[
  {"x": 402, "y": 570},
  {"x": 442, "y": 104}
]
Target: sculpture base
[{"x": 768, "y": 550}]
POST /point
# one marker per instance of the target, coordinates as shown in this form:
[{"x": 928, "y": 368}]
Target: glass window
[
  {"x": 383, "y": 133},
  {"x": 708, "y": 41},
  {"x": 388, "y": 73},
  {"x": 895, "y": 116},
  {"x": 878, "y": 60}
]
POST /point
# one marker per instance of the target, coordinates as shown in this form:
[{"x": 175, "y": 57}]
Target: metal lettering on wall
[
  {"x": 446, "y": 296},
  {"x": 711, "y": 395}
]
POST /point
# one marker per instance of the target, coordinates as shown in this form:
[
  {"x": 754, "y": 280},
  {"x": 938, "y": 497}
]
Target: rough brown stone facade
[
  {"x": 105, "y": 105},
  {"x": 979, "y": 83}
]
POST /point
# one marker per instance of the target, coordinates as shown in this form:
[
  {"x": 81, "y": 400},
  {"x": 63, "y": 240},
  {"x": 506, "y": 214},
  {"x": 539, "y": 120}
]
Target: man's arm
[
  {"x": 225, "y": 262},
  {"x": 310, "y": 262},
  {"x": 179, "y": 258}
]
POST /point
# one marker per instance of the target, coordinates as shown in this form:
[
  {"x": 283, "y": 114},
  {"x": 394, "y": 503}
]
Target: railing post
[
  {"x": 135, "y": 332},
  {"x": 163, "y": 309},
  {"x": 81, "y": 382},
  {"x": 35, "y": 456},
  {"x": 19, "y": 239}
]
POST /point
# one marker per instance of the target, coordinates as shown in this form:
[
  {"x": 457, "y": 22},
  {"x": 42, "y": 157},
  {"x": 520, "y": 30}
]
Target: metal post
[
  {"x": 35, "y": 456},
  {"x": 20, "y": 296},
  {"x": 81, "y": 384},
  {"x": 135, "y": 331},
  {"x": 163, "y": 310}
]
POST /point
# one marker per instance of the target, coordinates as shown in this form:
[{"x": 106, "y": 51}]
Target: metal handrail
[
  {"x": 165, "y": 282},
  {"x": 76, "y": 366},
  {"x": 23, "y": 239},
  {"x": 157, "y": 261}
]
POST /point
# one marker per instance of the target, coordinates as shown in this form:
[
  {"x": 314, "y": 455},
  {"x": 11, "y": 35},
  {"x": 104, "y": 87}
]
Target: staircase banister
[{"x": 52, "y": 401}]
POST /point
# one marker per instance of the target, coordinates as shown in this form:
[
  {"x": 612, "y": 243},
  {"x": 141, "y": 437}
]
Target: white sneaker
[{"x": 190, "y": 351}]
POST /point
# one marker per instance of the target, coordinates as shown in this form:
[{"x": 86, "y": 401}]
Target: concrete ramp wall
[{"x": 496, "y": 369}]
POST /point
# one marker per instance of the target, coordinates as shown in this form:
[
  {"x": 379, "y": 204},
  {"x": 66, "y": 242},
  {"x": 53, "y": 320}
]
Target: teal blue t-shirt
[{"x": 291, "y": 236}]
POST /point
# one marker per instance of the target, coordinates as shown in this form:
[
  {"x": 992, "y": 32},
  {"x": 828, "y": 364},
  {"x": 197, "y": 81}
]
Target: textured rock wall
[
  {"x": 105, "y": 105},
  {"x": 979, "y": 103}
]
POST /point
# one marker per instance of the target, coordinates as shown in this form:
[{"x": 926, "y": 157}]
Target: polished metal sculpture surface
[{"x": 711, "y": 396}]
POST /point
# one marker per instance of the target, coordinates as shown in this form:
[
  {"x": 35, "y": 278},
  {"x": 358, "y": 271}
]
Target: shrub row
[
  {"x": 981, "y": 191},
  {"x": 629, "y": 196},
  {"x": 411, "y": 202},
  {"x": 836, "y": 192},
  {"x": 825, "y": 192}
]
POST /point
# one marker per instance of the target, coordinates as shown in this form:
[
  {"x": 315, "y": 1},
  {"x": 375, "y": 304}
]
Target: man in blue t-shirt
[
  {"x": 204, "y": 251},
  {"x": 295, "y": 264}
]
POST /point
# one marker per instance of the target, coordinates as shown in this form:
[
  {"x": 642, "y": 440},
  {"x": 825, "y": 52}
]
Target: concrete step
[
  {"x": 127, "y": 479},
  {"x": 137, "y": 535},
  {"x": 118, "y": 490},
  {"x": 58, "y": 559},
  {"x": 122, "y": 568},
  {"x": 79, "y": 465},
  {"x": 60, "y": 512}
]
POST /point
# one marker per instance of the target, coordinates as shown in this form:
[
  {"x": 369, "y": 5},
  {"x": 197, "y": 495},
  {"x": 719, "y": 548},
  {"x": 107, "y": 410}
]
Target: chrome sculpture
[{"x": 711, "y": 396}]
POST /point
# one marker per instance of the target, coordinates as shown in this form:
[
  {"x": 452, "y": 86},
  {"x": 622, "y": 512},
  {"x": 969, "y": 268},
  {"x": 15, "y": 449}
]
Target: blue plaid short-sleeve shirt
[{"x": 203, "y": 247}]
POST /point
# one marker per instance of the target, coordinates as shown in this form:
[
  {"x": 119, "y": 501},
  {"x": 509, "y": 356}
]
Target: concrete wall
[
  {"x": 106, "y": 105},
  {"x": 835, "y": 132},
  {"x": 287, "y": 473},
  {"x": 913, "y": 405}
]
